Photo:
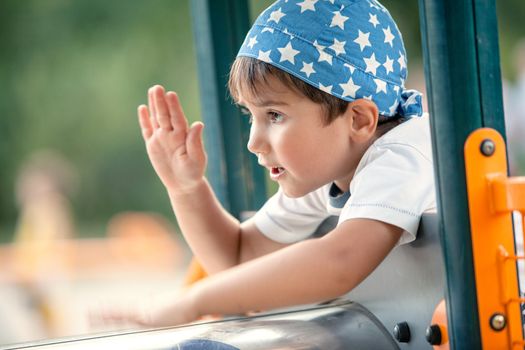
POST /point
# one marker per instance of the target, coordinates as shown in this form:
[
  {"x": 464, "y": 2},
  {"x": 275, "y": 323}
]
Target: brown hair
[{"x": 250, "y": 74}]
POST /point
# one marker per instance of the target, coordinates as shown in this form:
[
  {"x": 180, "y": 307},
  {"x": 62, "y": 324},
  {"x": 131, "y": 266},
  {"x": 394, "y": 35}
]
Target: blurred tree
[{"x": 73, "y": 72}]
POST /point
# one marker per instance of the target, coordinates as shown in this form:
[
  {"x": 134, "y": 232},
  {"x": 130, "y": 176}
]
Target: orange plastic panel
[
  {"x": 508, "y": 193},
  {"x": 492, "y": 239}
]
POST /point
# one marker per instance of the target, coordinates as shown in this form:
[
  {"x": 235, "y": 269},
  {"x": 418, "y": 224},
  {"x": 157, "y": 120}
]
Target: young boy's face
[{"x": 288, "y": 136}]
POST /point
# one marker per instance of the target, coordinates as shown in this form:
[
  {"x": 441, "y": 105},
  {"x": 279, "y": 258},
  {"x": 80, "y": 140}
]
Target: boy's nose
[{"x": 256, "y": 142}]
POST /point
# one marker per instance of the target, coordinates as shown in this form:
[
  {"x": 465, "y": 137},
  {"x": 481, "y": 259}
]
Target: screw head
[
  {"x": 433, "y": 335},
  {"x": 487, "y": 147},
  {"x": 402, "y": 332},
  {"x": 498, "y": 322}
]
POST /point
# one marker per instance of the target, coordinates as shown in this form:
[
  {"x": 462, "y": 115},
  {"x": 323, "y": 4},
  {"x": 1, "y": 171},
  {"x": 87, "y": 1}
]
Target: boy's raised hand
[{"x": 175, "y": 150}]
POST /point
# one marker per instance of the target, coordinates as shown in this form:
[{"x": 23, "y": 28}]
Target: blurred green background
[{"x": 73, "y": 72}]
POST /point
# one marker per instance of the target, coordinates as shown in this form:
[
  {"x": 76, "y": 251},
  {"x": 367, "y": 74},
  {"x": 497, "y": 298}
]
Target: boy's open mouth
[{"x": 276, "y": 172}]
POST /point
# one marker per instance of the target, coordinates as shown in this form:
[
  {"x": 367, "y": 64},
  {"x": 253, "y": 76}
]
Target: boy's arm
[
  {"x": 310, "y": 271},
  {"x": 216, "y": 237},
  {"x": 177, "y": 154}
]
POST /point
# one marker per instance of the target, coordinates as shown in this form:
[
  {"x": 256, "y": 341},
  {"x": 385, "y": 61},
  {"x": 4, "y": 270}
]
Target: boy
[{"x": 323, "y": 82}]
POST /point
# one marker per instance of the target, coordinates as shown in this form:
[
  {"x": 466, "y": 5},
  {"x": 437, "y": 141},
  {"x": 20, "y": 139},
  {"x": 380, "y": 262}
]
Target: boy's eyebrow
[{"x": 265, "y": 103}]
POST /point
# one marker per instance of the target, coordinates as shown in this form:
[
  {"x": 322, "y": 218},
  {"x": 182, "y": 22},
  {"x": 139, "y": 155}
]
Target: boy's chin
[{"x": 294, "y": 192}]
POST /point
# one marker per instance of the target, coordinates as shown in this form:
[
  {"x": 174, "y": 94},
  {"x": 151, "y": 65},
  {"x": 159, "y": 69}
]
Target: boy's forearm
[
  {"x": 307, "y": 272},
  {"x": 211, "y": 232},
  {"x": 266, "y": 283}
]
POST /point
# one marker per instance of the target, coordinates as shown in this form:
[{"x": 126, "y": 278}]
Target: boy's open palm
[{"x": 175, "y": 150}]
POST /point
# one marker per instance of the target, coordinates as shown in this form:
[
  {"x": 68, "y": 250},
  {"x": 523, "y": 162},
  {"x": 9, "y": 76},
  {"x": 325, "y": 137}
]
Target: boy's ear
[{"x": 362, "y": 117}]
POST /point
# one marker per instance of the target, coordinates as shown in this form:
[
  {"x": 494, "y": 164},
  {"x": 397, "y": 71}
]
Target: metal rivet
[
  {"x": 433, "y": 335},
  {"x": 402, "y": 332},
  {"x": 487, "y": 147},
  {"x": 498, "y": 322}
]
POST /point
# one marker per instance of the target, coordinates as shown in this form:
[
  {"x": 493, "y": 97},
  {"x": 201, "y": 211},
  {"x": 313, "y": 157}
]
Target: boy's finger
[
  {"x": 178, "y": 120},
  {"x": 163, "y": 113},
  {"x": 152, "y": 109},
  {"x": 145, "y": 122},
  {"x": 194, "y": 144}
]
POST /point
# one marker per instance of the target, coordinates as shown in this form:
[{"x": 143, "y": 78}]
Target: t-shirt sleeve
[
  {"x": 395, "y": 186},
  {"x": 288, "y": 220}
]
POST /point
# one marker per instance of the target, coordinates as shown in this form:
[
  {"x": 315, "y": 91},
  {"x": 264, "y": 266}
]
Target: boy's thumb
[{"x": 194, "y": 143}]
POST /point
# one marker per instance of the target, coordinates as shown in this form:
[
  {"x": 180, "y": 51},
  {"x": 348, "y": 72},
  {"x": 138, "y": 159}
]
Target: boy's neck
[
  {"x": 359, "y": 151},
  {"x": 344, "y": 183}
]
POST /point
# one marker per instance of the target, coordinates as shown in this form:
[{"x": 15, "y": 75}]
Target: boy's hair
[{"x": 251, "y": 75}]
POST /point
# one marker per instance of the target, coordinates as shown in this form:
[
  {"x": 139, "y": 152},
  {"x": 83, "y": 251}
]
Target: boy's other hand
[
  {"x": 175, "y": 149},
  {"x": 160, "y": 311}
]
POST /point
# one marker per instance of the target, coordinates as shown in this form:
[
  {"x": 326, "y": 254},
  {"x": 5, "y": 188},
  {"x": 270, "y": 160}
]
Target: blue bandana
[{"x": 351, "y": 49}]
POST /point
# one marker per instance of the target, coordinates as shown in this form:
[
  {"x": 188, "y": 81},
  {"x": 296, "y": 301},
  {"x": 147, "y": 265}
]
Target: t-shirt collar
[{"x": 337, "y": 197}]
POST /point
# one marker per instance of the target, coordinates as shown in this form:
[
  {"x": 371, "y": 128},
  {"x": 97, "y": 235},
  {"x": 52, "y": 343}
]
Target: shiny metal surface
[
  {"x": 406, "y": 287},
  {"x": 340, "y": 325}
]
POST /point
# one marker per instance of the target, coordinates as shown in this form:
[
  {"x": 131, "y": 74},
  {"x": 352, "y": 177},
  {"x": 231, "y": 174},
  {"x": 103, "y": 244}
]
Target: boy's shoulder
[
  {"x": 414, "y": 133},
  {"x": 405, "y": 142}
]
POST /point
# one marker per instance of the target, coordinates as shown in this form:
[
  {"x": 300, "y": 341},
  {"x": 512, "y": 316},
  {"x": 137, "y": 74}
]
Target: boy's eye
[
  {"x": 275, "y": 117},
  {"x": 247, "y": 113}
]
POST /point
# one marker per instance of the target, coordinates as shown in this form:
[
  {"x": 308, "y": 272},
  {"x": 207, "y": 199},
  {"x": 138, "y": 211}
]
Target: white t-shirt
[{"x": 393, "y": 183}]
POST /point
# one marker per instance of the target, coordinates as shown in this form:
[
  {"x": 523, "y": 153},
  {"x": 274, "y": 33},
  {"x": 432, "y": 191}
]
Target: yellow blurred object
[
  {"x": 194, "y": 273},
  {"x": 47, "y": 263}
]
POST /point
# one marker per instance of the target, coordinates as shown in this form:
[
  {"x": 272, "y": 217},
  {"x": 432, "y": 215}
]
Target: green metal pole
[
  {"x": 219, "y": 27},
  {"x": 460, "y": 49},
  {"x": 489, "y": 65}
]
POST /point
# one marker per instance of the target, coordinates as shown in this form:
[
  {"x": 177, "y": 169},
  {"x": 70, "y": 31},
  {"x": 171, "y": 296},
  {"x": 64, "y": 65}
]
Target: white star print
[
  {"x": 371, "y": 64},
  {"x": 327, "y": 89},
  {"x": 267, "y": 29},
  {"x": 276, "y": 15},
  {"x": 369, "y": 97},
  {"x": 389, "y": 37},
  {"x": 389, "y": 65},
  {"x": 288, "y": 53},
  {"x": 338, "y": 47},
  {"x": 264, "y": 56},
  {"x": 396, "y": 88},
  {"x": 393, "y": 108},
  {"x": 362, "y": 40},
  {"x": 381, "y": 85},
  {"x": 252, "y": 41},
  {"x": 374, "y": 5},
  {"x": 350, "y": 67},
  {"x": 401, "y": 60},
  {"x": 377, "y": 5},
  {"x": 338, "y": 20},
  {"x": 307, "y": 5},
  {"x": 373, "y": 20},
  {"x": 285, "y": 31},
  {"x": 412, "y": 100},
  {"x": 349, "y": 88},
  {"x": 323, "y": 56},
  {"x": 308, "y": 68}
]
